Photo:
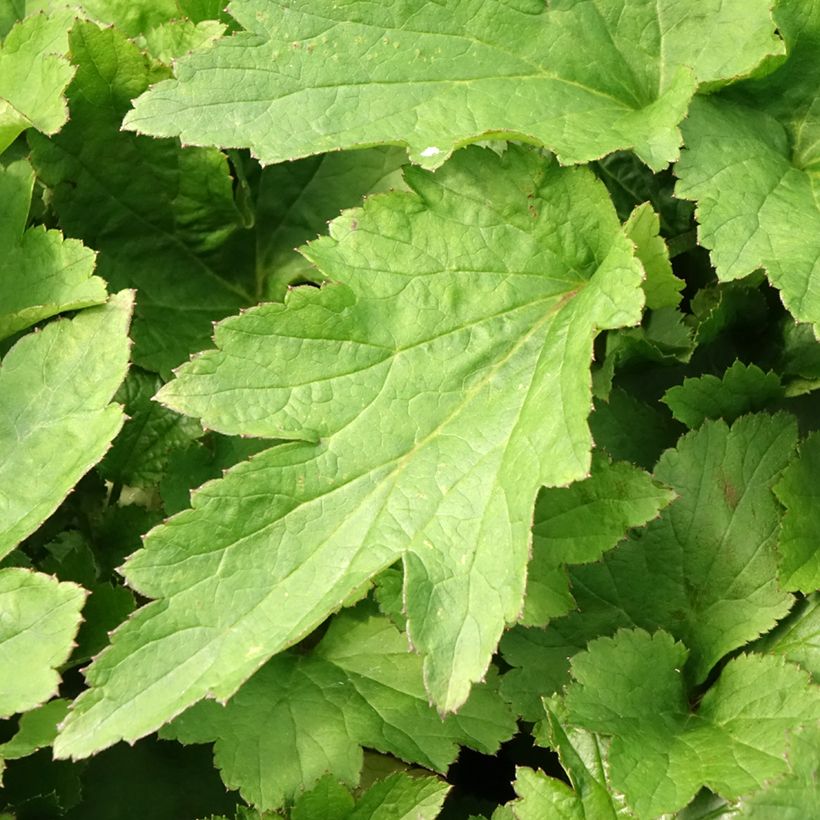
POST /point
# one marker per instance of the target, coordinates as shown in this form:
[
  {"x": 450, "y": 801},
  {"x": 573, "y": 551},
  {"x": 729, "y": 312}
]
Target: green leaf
[
  {"x": 41, "y": 274},
  {"x": 318, "y": 76},
  {"x": 37, "y": 729},
  {"x": 160, "y": 230},
  {"x": 303, "y": 715},
  {"x": 542, "y": 797},
  {"x": 577, "y": 524},
  {"x": 705, "y": 572},
  {"x": 34, "y": 73},
  {"x": 631, "y": 687},
  {"x": 753, "y": 165},
  {"x": 141, "y": 451},
  {"x": 583, "y": 756},
  {"x": 742, "y": 389},
  {"x": 661, "y": 286},
  {"x": 425, "y": 372},
  {"x": 39, "y": 621},
  {"x": 402, "y": 797},
  {"x": 327, "y": 800},
  {"x": 797, "y": 795},
  {"x": 615, "y": 419},
  {"x": 176, "y": 38},
  {"x": 56, "y": 419},
  {"x": 132, "y": 17},
  {"x": 797, "y": 637},
  {"x": 631, "y": 183},
  {"x": 398, "y": 797},
  {"x": 799, "y": 492},
  {"x": 296, "y": 200}
]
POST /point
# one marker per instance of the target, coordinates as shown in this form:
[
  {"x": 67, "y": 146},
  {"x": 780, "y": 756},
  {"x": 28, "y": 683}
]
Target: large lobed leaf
[
  {"x": 314, "y": 75},
  {"x": 436, "y": 382}
]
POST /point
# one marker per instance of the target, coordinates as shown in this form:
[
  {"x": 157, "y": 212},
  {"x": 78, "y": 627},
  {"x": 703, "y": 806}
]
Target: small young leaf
[{"x": 742, "y": 389}]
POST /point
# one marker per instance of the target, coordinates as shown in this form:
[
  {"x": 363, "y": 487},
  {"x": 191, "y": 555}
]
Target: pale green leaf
[
  {"x": 41, "y": 274},
  {"x": 661, "y": 286},
  {"x": 705, "y": 572},
  {"x": 34, "y": 73},
  {"x": 313, "y": 75},
  {"x": 159, "y": 230},
  {"x": 577, "y": 524},
  {"x": 753, "y": 165},
  {"x": 39, "y": 618},
  {"x": 742, "y": 389},
  {"x": 796, "y": 796},
  {"x": 56, "y": 419},
  {"x": 303, "y": 715},
  {"x": 459, "y": 318},
  {"x": 176, "y": 38},
  {"x": 799, "y": 544},
  {"x": 631, "y": 687}
]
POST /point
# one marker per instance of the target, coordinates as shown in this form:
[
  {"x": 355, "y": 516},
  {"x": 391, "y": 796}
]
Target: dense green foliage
[{"x": 517, "y": 457}]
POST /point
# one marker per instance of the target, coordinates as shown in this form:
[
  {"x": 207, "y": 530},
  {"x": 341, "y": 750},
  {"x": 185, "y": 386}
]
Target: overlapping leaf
[
  {"x": 141, "y": 451},
  {"x": 797, "y": 638},
  {"x": 303, "y": 715},
  {"x": 742, "y": 389},
  {"x": 435, "y": 384},
  {"x": 159, "y": 228},
  {"x": 753, "y": 165},
  {"x": 314, "y": 75},
  {"x": 41, "y": 274},
  {"x": 40, "y": 618},
  {"x": 399, "y": 796},
  {"x": 577, "y": 524},
  {"x": 705, "y": 572},
  {"x": 34, "y": 73},
  {"x": 56, "y": 419},
  {"x": 631, "y": 687}
]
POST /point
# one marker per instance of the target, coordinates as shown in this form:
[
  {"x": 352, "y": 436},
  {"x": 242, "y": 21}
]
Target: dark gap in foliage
[{"x": 482, "y": 782}]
